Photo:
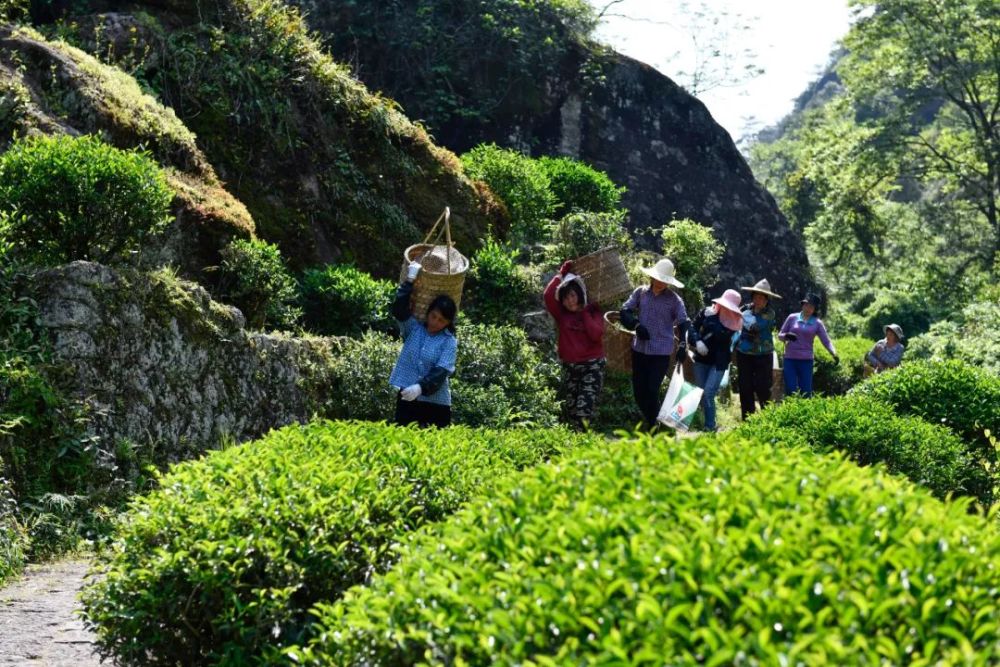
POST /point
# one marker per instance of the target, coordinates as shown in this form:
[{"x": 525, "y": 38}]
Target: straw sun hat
[
  {"x": 664, "y": 272},
  {"x": 763, "y": 287}
]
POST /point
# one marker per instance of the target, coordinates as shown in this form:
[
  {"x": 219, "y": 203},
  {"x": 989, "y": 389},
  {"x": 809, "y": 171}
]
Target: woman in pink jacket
[{"x": 798, "y": 332}]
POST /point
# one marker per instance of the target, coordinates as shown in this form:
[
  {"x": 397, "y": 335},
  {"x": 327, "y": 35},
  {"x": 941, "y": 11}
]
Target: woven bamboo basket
[
  {"x": 443, "y": 269},
  {"x": 604, "y": 274},
  {"x": 617, "y": 344}
]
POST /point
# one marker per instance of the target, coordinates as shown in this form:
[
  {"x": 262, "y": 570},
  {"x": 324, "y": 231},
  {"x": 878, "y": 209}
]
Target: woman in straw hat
[
  {"x": 653, "y": 311},
  {"x": 711, "y": 336},
  {"x": 798, "y": 333},
  {"x": 888, "y": 352},
  {"x": 427, "y": 359},
  {"x": 581, "y": 344},
  {"x": 755, "y": 348}
]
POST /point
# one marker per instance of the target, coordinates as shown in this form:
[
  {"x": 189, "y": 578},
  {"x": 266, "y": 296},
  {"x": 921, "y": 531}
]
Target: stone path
[{"x": 38, "y": 623}]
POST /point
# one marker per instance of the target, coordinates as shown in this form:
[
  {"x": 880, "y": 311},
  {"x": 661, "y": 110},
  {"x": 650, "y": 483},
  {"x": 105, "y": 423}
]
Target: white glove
[
  {"x": 701, "y": 348},
  {"x": 410, "y": 393},
  {"x": 412, "y": 270}
]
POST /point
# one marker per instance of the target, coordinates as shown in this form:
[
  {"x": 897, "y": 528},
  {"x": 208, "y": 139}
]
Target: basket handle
[{"x": 446, "y": 230}]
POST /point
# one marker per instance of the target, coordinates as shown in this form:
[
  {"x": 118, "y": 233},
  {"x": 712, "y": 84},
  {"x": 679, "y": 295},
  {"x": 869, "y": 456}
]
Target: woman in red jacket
[{"x": 581, "y": 344}]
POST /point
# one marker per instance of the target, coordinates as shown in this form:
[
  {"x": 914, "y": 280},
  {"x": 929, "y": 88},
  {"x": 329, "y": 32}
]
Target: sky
[{"x": 790, "y": 40}]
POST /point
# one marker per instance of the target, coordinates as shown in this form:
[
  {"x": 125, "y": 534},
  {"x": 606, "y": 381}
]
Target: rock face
[
  {"x": 677, "y": 162},
  {"x": 157, "y": 363}
]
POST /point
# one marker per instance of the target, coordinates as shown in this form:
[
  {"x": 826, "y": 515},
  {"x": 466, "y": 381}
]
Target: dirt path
[{"x": 38, "y": 623}]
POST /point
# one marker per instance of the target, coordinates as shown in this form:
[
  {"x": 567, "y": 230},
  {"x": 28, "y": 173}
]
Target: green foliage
[
  {"x": 343, "y": 300},
  {"x": 869, "y": 432},
  {"x": 254, "y": 278},
  {"x": 973, "y": 337},
  {"x": 953, "y": 393},
  {"x": 520, "y": 182},
  {"x": 582, "y": 232},
  {"x": 13, "y": 540},
  {"x": 695, "y": 252},
  {"x": 497, "y": 290},
  {"x": 714, "y": 550},
  {"x": 912, "y": 311},
  {"x": 224, "y": 561},
  {"x": 73, "y": 198},
  {"x": 579, "y": 187},
  {"x": 500, "y": 381},
  {"x": 833, "y": 378}
]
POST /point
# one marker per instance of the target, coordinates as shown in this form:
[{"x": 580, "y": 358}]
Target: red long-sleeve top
[{"x": 581, "y": 334}]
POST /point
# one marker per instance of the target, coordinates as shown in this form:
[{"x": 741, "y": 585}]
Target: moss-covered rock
[
  {"x": 49, "y": 87},
  {"x": 329, "y": 170}
]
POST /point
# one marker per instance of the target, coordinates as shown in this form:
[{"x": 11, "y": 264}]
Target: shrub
[
  {"x": 76, "y": 198},
  {"x": 869, "y": 432},
  {"x": 13, "y": 541},
  {"x": 227, "y": 557},
  {"x": 498, "y": 291},
  {"x": 616, "y": 408},
  {"x": 582, "y": 232},
  {"x": 500, "y": 379},
  {"x": 910, "y": 310},
  {"x": 580, "y": 187},
  {"x": 342, "y": 300},
  {"x": 962, "y": 397},
  {"x": 831, "y": 378},
  {"x": 973, "y": 337},
  {"x": 254, "y": 278},
  {"x": 695, "y": 252},
  {"x": 722, "y": 551},
  {"x": 520, "y": 182}
]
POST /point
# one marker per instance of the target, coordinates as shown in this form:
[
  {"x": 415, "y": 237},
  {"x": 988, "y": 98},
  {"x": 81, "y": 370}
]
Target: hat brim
[
  {"x": 728, "y": 306},
  {"x": 762, "y": 291},
  {"x": 655, "y": 276}
]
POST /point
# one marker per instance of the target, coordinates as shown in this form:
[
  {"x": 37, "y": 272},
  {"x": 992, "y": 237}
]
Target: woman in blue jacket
[{"x": 427, "y": 359}]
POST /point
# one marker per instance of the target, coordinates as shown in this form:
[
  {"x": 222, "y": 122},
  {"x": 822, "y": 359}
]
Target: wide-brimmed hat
[
  {"x": 812, "y": 299},
  {"x": 664, "y": 272},
  {"x": 763, "y": 287},
  {"x": 896, "y": 329},
  {"x": 729, "y": 310}
]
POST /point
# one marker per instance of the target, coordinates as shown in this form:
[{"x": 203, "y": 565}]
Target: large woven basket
[
  {"x": 617, "y": 344},
  {"x": 443, "y": 270},
  {"x": 604, "y": 274}
]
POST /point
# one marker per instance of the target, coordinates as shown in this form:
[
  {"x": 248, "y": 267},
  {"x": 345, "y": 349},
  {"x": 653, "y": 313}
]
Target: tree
[{"x": 926, "y": 76}]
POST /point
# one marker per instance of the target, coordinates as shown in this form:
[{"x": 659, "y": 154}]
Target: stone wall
[{"x": 157, "y": 363}]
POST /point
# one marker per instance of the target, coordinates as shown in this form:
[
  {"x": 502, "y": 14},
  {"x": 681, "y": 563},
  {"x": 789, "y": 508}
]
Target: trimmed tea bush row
[
  {"x": 227, "y": 557},
  {"x": 832, "y": 378},
  {"x": 716, "y": 551},
  {"x": 341, "y": 300},
  {"x": 869, "y": 432},
  {"x": 953, "y": 393}
]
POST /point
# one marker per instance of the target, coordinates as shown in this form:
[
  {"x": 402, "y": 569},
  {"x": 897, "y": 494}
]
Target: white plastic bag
[{"x": 680, "y": 403}]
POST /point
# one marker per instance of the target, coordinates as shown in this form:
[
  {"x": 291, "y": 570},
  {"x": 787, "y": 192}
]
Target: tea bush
[
  {"x": 964, "y": 398},
  {"x": 973, "y": 337},
  {"x": 73, "y": 198},
  {"x": 649, "y": 552},
  {"x": 616, "y": 408},
  {"x": 520, "y": 182},
  {"x": 832, "y": 378},
  {"x": 497, "y": 290},
  {"x": 226, "y": 558},
  {"x": 254, "y": 278},
  {"x": 500, "y": 379},
  {"x": 582, "y": 232},
  {"x": 695, "y": 252},
  {"x": 578, "y": 186},
  {"x": 909, "y": 309},
  {"x": 341, "y": 300},
  {"x": 869, "y": 432}
]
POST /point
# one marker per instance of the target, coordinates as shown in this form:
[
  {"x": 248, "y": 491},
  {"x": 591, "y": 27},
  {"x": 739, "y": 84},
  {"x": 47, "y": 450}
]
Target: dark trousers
[
  {"x": 648, "y": 371},
  {"x": 756, "y": 373},
  {"x": 422, "y": 413}
]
